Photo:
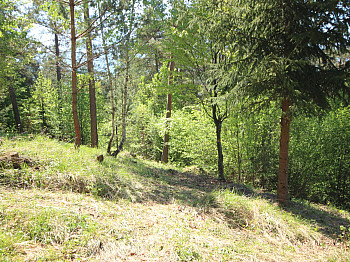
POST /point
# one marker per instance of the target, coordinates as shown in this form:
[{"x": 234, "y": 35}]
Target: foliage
[
  {"x": 17, "y": 67},
  {"x": 320, "y": 158},
  {"x": 191, "y": 132},
  {"x": 239, "y": 57},
  {"x": 251, "y": 145},
  {"x": 145, "y": 137}
]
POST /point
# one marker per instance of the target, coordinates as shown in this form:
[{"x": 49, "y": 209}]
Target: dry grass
[
  {"x": 134, "y": 210},
  {"x": 151, "y": 231}
]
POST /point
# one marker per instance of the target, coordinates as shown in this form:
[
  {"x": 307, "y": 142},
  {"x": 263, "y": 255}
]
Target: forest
[
  {"x": 174, "y": 130},
  {"x": 257, "y": 93}
]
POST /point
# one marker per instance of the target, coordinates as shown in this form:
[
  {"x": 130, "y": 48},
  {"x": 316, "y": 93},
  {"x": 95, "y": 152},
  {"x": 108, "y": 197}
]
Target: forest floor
[{"x": 61, "y": 204}]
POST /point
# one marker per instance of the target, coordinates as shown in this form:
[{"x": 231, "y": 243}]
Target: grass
[{"x": 66, "y": 206}]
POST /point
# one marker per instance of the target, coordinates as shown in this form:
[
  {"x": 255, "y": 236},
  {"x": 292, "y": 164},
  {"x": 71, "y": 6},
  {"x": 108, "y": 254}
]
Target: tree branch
[
  {"x": 63, "y": 2},
  {"x": 99, "y": 54},
  {"x": 90, "y": 27}
]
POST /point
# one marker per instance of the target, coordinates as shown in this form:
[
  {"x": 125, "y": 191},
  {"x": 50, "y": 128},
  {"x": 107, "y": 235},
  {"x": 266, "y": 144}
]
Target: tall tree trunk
[
  {"x": 282, "y": 188},
  {"x": 165, "y": 153},
  {"x": 77, "y": 141},
  {"x": 15, "y": 107},
  {"x": 58, "y": 78},
  {"x": 58, "y": 66},
  {"x": 125, "y": 100},
  {"x": 218, "y": 118},
  {"x": 110, "y": 85},
  {"x": 92, "y": 92}
]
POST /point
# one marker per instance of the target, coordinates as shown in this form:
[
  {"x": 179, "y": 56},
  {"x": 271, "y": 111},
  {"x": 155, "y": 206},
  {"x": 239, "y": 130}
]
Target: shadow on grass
[
  {"x": 137, "y": 181},
  {"x": 327, "y": 222},
  {"x": 165, "y": 186}
]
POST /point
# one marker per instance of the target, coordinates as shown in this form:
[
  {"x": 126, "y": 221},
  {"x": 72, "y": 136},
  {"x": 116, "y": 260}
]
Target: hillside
[{"x": 61, "y": 204}]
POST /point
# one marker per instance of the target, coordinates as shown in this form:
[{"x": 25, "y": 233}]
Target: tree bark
[
  {"x": 165, "y": 153},
  {"x": 218, "y": 118},
  {"x": 77, "y": 130},
  {"x": 15, "y": 107},
  {"x": 92, "y": 92},
  {"x": 263, "y": 158},
  {"x": 218, "y": 124},
  {"x": 282, "y": 188},
  {"x": 238, "y": 156}
]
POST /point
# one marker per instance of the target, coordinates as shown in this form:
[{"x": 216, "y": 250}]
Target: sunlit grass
[{"x": 69, "y": 207}]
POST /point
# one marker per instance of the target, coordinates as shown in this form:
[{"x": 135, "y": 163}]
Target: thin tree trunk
[
  {"x": 156, "y": 59},
  {"x": 282, "y": 189},
  {"x": 125, "y": 99},
  {"x": 165, "y": 153},
  {"x": 218, "y": 119},
  {"x": 218, "y": 125},
  {"x": 59, "y": 84},
  {"x": 58, "y": 66},
  {"x": 77, "y": 141},
  {"x": 15, "y": 107},
  {"x": 238, "y": 156},
  {"x": 264, "y": 169},
  {"x": 92, "y": 92},
  {"x": 42, "y": 112},
  {"x": 111, "y": 87}
]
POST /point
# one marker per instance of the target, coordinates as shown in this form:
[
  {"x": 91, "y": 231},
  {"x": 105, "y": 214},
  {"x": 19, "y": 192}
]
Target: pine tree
[{"x": 290, "y": 49}]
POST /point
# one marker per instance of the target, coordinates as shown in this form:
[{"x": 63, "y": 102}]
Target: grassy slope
[{"x": 65, "y": 205}]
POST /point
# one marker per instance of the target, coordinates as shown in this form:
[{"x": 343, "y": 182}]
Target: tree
[
  {"x": 76, "y": 64},
  {"x": 128, "y": 28},
  {"x": 56, "y": 22},
  {"x": 289, "y": 48},
  {"x": 110, "y": 81},
  {"x": 165, "y": 152},
  {"x": 198, "y": 51},
  {"x": 15, "y": 54},
  {"x": 77, "y": 142},
  {"x": 92, "y": 95},
  {"x": 150, "y": 36},
  {"x": 125, "y": 97},
  {"x": 12, "y": 93}
]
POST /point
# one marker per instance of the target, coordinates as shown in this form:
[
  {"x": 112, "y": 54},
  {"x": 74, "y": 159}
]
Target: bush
[{"x": 320, "y": 158}]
